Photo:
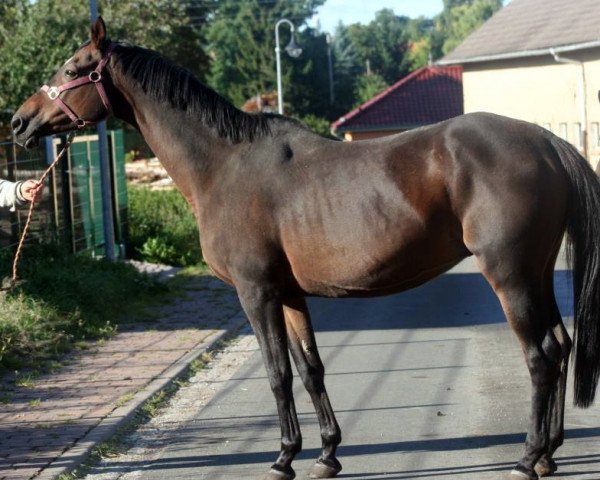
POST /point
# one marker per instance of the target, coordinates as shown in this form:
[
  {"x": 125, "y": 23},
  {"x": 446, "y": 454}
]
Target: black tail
[{"x": 583, "y": 250}]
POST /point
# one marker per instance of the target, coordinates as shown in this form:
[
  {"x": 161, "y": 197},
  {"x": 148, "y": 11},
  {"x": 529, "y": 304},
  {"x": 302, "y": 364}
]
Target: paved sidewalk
[{"x": 43, "y": 427}]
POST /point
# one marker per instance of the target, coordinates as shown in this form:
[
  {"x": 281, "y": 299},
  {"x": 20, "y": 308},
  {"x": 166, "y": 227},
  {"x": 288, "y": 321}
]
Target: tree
[
  {"x": 241, "y": 43},
  {"x": 419, "y": 49},
  {"x": 419, "y": 53},
  {"x": 348, "y": 67},
  {"x": 37, "y": 37},
  {"x": 382, "y": 43},
  {"x": 460, "y": 18},
  {"x": 368, "y": 86}
]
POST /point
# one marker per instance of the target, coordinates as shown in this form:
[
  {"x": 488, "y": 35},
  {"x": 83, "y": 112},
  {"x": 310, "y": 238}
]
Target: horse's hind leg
[
  {"x": 546, "y": 465},
  {"x": 521, "y": 293},
  {"x": 302, "y": 344}
]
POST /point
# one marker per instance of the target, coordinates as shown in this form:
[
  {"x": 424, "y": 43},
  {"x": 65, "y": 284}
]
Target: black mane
[{"x": 164, "y": 81}]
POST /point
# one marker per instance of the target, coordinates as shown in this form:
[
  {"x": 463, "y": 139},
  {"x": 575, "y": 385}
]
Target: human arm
[{"x": 16, "y": 194}]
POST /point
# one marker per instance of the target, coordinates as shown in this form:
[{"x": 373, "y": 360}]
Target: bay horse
[{"x": 284, "y": 214}]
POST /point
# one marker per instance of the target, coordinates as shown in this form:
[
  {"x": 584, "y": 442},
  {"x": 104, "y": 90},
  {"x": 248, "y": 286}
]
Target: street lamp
[{"x": 292, "y": 49}]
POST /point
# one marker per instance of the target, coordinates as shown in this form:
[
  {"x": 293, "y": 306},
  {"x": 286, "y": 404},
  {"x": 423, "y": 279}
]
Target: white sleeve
[{"x": 8, "y": 194}]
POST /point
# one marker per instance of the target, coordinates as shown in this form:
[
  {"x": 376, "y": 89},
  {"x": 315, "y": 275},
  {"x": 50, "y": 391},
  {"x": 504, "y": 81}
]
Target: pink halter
[{"x": 95, "y": 77}]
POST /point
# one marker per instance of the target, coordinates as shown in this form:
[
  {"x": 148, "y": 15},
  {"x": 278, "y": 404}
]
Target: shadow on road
[
  {"x": 451, "y": 300},
  {"x": 425, "y": 445}
]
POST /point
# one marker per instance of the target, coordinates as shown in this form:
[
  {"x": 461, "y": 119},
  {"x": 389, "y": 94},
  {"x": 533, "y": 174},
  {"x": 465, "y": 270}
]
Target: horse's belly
[{"x": 366, "y": 274}]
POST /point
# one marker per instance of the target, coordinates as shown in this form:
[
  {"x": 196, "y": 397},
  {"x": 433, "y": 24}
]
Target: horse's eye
[{"x": 70, "y": 73}]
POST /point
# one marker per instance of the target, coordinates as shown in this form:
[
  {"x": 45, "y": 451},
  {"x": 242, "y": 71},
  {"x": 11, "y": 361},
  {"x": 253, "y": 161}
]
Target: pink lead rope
[{"x": 95, "y": 77}]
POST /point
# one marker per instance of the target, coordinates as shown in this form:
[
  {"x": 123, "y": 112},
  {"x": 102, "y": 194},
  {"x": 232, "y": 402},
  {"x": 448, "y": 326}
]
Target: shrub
[
  {"x": 162, "y": 228},
  {"x": 318, "y": 125}
]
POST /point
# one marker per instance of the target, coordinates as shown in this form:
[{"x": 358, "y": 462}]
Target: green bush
[
  {"x": 162, "y": 228},
  {"x": 319, "y": 125},
  {"x": 61, "y": 299}
]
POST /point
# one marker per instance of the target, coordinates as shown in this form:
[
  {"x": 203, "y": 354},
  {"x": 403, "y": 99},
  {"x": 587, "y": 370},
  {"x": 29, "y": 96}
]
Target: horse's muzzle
[{"x": 24, "y": 136}]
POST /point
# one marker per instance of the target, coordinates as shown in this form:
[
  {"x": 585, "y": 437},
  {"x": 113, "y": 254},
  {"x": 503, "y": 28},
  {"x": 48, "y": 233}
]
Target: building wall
[{"x": 540, "y": 91}]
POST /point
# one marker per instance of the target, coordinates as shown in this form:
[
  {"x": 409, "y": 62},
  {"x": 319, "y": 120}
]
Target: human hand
[{"x": 31, "y": 190}]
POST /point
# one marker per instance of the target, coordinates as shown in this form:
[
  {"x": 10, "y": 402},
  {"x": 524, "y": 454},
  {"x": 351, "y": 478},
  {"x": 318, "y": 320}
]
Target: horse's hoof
[
  {"x": 276, "y": 474},
  {"x": 519, "y": 475},
  {"x": 325, "y": 469},
  {"x": 545, "y": 467}
]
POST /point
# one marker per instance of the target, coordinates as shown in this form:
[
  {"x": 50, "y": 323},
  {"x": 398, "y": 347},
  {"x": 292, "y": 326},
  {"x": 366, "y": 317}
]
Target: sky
[{"x": 363, "y": 11}]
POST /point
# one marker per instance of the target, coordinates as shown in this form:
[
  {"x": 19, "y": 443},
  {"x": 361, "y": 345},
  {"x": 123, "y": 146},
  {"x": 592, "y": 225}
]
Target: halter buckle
[
  {"x": 95, "y": 76},
  {"x": 80, "y": 123},
  {"x": 53, "y": 93}
]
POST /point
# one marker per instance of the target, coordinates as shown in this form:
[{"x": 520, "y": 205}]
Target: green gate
[
  {"x": 70, "y": 211},
  {"x": 83, "y": 194}
]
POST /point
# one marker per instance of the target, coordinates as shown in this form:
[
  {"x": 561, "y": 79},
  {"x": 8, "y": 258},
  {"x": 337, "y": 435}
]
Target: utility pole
[
  {"x": 328, "y": 39},
  {"x": 105, "y": 179}
]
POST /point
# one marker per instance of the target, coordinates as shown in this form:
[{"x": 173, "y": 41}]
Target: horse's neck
[{"x": 185, "y": 147}]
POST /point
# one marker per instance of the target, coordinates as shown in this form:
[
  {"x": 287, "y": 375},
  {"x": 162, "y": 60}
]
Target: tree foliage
[
  {"x": 460, "y": 18},
  {"x": 367, "y": 86},
  {"x": 230, "y": 44},
  {"x": 241, "y": 41},
  {"x": 37, "y": 37}
]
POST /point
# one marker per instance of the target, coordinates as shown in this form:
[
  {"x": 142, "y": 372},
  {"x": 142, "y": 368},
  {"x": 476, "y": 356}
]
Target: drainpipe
[{"x": 581, "y": 94}]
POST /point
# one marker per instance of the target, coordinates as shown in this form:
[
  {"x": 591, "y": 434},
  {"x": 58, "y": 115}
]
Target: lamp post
[{"x": 292, "y": 49}]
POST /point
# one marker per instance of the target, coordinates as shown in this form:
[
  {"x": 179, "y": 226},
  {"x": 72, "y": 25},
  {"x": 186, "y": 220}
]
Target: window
[
  {"x": 577, "y": 135},
  {"x": 595, "y": 135},
  {"x": 562, "y": 131}
]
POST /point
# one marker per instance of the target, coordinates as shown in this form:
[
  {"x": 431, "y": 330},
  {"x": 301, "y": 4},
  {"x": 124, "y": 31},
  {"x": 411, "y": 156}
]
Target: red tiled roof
[{"x": 428, "y": 95}]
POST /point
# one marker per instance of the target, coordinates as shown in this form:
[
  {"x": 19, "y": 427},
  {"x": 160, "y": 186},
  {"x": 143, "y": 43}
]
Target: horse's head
[{"x": 74, "y": 97}]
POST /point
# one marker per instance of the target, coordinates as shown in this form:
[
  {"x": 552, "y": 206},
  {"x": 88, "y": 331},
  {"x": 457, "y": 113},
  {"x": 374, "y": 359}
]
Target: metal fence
[{"x": 70, "y": 211}]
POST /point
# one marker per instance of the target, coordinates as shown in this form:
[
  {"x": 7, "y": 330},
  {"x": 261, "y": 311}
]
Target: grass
[
  {"x": 27, "y": 379},
  {"x": 62, "y": 301},
  {"x": 125, "y": 399}
]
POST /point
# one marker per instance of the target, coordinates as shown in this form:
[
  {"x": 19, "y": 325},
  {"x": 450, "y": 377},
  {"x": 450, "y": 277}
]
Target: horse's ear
[{"x": 98, "y": 33}]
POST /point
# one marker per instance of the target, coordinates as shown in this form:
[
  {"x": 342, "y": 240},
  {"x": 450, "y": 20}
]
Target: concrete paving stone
[{"x": 18, "y": 474}]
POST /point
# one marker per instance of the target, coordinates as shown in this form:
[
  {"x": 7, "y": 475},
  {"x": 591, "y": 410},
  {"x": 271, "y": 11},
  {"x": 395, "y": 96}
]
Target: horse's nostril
[{"x": 17, "y": 124}]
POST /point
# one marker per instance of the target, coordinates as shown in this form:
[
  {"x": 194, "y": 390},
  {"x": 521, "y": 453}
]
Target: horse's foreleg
[
  {"x": 303, "y": 347},
  {"x": 265, "y": 313}
]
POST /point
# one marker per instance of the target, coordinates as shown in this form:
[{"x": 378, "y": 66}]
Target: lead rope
[{"x": 13, "y": 280}]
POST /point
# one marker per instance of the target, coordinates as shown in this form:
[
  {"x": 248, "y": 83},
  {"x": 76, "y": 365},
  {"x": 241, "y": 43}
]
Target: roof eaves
[
  {"x": 379, "y": 128},
  {"x": 523, "y": 54}
]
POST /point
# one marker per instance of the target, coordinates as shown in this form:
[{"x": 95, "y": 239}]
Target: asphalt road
[{"x": 426, "y": 384}]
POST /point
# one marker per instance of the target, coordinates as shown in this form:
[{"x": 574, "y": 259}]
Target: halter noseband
[{"x": 95, "y": 77}]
